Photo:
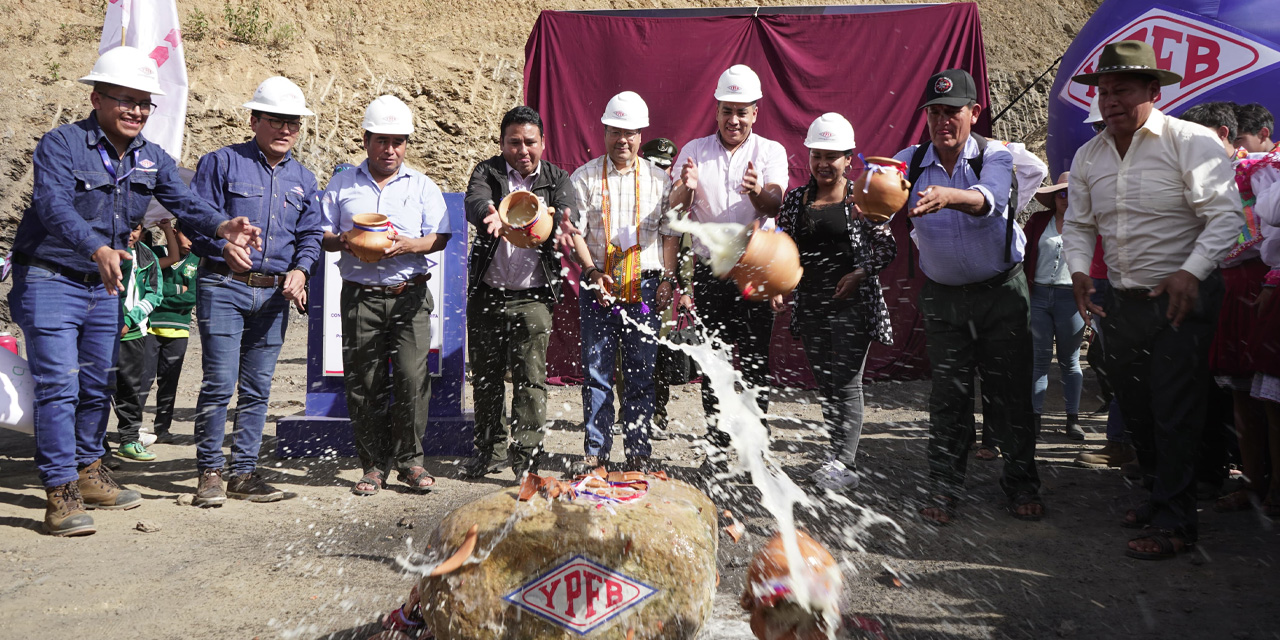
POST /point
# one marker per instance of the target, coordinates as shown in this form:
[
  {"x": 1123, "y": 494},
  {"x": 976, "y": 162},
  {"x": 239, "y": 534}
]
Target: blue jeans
[
  {"x": 72, "y": 332},
  {"x": 241, "y": 332},
  {"x": 603, "y": 333},
  {"x": 1055, "y": 318}
]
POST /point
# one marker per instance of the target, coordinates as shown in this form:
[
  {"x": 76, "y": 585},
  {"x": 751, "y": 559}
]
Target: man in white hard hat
[
  {"x": 628, "y": 257},
  {"x": 93, "y": 181},
  {"x": 737, "y": 176},
  {"x": 510, "y": 294},
  {"x": 386, "y": 305},
  {"x": 243, "y": 298}
]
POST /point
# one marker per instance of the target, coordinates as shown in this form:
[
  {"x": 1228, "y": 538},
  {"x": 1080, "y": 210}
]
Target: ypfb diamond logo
[
  {"x": 1207, "y": 54},
  {"x": 580, "y": 595}
]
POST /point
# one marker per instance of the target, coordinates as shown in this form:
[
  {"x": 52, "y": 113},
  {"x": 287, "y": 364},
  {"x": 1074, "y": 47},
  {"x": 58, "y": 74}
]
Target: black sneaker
[
  {"x": 164, "y": 437},
  {"x": 110, "y": 462},
  {"x": 251, "y": 487},
  {"x": 482, "y": 465}
]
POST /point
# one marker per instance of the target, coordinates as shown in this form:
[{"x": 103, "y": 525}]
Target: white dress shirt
[
  {"x": 588, "y": 193},
  {"x": 1171, "y": 203},
  {"x": 410, "y": 200},
  {"x": 513, "y": 267},
  {"x": 718, "y": 197},
  {"x": 1266, "y": 187}
]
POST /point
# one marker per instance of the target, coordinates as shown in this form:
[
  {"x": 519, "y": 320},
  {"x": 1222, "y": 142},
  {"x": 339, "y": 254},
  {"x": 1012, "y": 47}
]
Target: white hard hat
[
  {"x": 626, "y": 110},
  {"x": 126, "y": 67},
  {"x": 390, "y": 115},
  {"x": 1095, "y": 114},
  {"x": 279, "y": 94},
  {"x": 738, "y": 84},
  {"x": 831, "y": 132}
]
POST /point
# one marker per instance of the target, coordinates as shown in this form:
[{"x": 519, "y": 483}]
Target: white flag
[{"x": 152, "y": 27}]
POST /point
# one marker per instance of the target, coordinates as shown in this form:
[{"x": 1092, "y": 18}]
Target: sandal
[
  {"x": 1023, "y": 498},
  {"x": 1138, "y": 517},
  {"x": 986, "y": 453},
  {"x": 1241, "y": 500},
  {"x": 418, "y": 479},
  {"x": 946, "y": 505},
  {"x": 370, "y": 479},
  {"x": 1164, "y": 540}
]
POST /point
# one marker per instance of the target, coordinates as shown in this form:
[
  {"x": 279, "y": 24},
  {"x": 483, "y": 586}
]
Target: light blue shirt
[
  {"x": 411, "y": 201},
  {"x": 955, "y": 247}
]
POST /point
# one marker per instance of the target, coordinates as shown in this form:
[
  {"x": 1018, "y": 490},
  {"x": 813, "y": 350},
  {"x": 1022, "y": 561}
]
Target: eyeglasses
[
  {"x": 292, "y": 126},
  {"x": 144, "y": 106}
]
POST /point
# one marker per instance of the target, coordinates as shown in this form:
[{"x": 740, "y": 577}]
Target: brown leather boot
[
  {"x": 101, "y": 492},
  {"x": 209, "y": 491},
  {"x": 1114, "y": 454},
  {"x": 64, "y": 513}
]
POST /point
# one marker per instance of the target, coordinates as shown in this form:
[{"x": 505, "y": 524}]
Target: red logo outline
[{"x": 546, "y": 586}]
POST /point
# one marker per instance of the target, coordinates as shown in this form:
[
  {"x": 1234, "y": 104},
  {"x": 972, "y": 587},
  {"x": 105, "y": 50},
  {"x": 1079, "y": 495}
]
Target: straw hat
[{"x": 1045, "y": 195}]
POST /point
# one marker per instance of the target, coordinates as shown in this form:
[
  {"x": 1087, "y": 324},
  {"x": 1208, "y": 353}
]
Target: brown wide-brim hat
[
  {"x": 1045, "y": 195},
  {"x": 1128, "y": 56}
]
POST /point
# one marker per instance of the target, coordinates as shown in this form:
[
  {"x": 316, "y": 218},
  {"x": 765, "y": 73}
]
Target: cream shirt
[
  {"x": 1171, "y": 203},
  {"x": 720, "y": 177},
  {"x": 588, "y": 194},
  {"x": 513, "y": 267}
]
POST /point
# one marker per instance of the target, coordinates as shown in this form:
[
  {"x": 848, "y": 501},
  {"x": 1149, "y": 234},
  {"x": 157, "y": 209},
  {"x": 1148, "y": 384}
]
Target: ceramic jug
[
  {"x": 369, "y": 236},
  {"x": 882, "y": 189},
  {"x": 526, "y": 223}
]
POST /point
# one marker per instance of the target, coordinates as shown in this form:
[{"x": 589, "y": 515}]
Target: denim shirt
[
  {"x": 280, "y": 200},
  {"x": 77, "y": 207},
  {"x": 957, "y": 248}
]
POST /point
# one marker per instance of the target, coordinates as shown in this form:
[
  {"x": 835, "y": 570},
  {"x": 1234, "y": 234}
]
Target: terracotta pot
[
  {"x": 882, "y": 189},
  {"x": 369, "y": 236},
  {"x": 769, "y": 266},
  {"x": 768, "y": 597},
  {"x": 526, "y": 223}
]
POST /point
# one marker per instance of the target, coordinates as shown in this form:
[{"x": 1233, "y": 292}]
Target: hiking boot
[
  {"x": 586, "y": 465},
  {"x": 99, "y": 491},
  {"x": 1113, "y": 454},
  {"x": 834, "y": 476},
  {"x": 250, "y": 486},
  {"x": 209, "y": 491},
  {"x": 109, "y": 461},
  {"x": 135, "y": 451},
  {"x": 64, "y": 513}
]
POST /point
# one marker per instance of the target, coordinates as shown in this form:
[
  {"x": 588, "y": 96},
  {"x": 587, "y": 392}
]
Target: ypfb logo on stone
[
  {"x": 1207, "y": 54},
  {"x": 580, "y": 595}
]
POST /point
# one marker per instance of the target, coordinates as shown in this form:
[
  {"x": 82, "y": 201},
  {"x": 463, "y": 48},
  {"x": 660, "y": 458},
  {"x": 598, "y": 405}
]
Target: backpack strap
[
  {"x": 913, "y": 173},
  {"x": 976, "y": 165}
]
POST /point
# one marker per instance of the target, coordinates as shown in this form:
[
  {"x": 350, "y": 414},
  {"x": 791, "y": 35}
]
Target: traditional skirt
[{"x": 1229, "y": 354}]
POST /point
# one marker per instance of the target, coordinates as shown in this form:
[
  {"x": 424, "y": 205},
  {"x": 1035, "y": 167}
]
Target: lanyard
[{"x": 106, "y": 162}]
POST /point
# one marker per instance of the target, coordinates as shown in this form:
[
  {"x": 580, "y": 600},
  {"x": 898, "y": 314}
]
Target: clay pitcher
[
  {"x": 769, "y": 595},
  {"x": 769, "y": 266},
  {"x": 369, "y": 236},
  {"x": 882, "y": 189},
  {"x": 526, "y": 223}
]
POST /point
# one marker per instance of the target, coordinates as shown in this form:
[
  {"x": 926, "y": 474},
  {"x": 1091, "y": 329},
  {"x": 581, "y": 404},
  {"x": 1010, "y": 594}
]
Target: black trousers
[
  {"x": 131, "y": 395},
  {"x": 740, "y": 322},
  {"x": 165, "y": 357},
  {"x": 1161, "y": 379}
]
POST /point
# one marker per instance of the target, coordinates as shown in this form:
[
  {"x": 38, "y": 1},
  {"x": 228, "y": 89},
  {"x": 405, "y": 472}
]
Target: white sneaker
[
  {"x": 834, "y": 476},
  {"x": 147, "y": 439}
]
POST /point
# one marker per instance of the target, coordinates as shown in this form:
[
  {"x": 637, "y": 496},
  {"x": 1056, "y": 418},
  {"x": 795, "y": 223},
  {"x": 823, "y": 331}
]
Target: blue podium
[{"x": 323, "y": 429}]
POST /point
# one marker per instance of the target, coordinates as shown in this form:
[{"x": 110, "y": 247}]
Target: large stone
[{"x": 646, "y": 567}]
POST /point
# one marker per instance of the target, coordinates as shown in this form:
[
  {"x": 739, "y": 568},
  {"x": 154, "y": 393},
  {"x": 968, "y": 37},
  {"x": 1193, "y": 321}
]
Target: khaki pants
[{"x": 385, "y": 343}]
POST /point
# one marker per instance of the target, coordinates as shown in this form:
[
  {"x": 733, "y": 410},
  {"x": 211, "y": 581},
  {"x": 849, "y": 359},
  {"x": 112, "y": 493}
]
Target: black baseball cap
[{"x": 953, "y": 87}]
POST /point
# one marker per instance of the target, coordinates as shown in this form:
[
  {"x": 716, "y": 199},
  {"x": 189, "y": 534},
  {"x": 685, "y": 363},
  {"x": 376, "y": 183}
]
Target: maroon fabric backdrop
[{"x": 869, "y": 67}]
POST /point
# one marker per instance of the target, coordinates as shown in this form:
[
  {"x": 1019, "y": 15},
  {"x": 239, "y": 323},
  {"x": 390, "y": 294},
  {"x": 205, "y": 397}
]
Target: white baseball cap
[
  {"x": 389, "y": 115},
  {"x": 831, "y": 132},
  {"x": 279, "y": 94},
  {"x": 627, "y": 110},
  {"x": 738, "y": 84},
  {"x": 126, "y": 67}
]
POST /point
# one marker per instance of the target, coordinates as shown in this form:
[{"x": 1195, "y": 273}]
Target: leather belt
[
  {"x": 391, "y": 289},
  {"x": 66, "y": 272},
  {"x": 251, "y": 278},
  {"x": 536, "y": 293}
]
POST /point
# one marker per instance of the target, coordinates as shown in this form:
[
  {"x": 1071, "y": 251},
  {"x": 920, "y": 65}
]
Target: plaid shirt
[{"x": 588, "y": 193}]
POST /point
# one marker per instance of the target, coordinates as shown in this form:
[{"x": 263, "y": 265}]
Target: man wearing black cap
[
  {"x": 975, "y": 303},
  {"x": 1162, "y": 195}
]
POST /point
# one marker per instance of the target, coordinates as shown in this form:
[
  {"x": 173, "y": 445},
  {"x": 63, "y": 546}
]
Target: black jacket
[{"x": 488, "y": 186}]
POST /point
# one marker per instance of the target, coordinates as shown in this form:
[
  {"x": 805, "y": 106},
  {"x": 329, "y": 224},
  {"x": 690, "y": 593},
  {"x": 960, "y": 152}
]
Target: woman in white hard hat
[{"x": 837, "y": 308}]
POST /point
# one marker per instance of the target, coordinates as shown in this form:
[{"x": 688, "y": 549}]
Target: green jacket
[
  {"x": 141, "y": 290},
  {"x": 179, "y": 288}
]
